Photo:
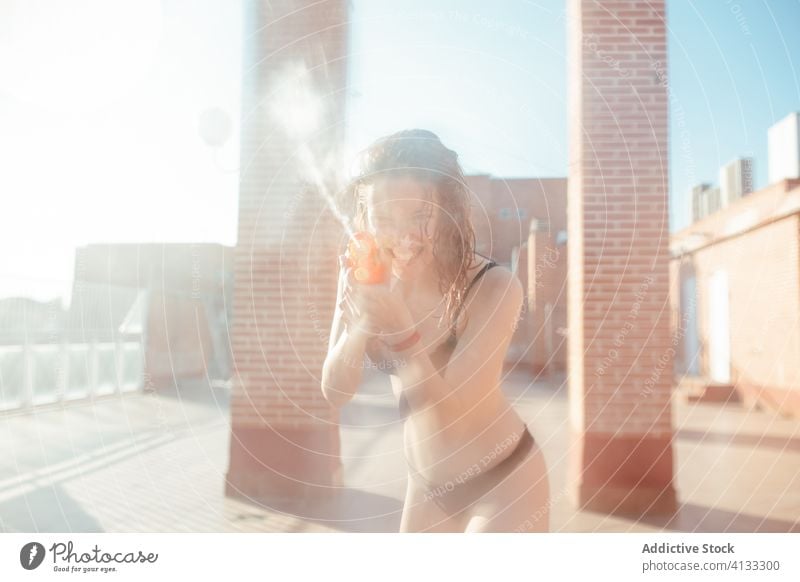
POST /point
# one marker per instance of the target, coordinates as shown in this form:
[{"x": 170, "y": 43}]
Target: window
[
  {"x": 504, "y": 213},
  {"x": 561, "y": 237}
]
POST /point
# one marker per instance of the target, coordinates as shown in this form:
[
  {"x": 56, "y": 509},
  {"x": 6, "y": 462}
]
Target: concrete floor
[{"x": 156, "y": 463}]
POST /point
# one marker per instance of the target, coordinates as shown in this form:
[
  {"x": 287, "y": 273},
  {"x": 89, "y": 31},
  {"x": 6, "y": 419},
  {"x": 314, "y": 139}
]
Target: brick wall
[
  {"x": 536, "y": 345},
  {"x": 184, "y": 316},
  {"x": 285, "y": 439},
  {"x": 756, "y": 242},
  {"x": 620, "y": 367},
  {"x": 546, "y": 311}
]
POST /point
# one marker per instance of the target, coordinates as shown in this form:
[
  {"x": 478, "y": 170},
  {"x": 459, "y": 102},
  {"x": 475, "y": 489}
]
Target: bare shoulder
[
  {"x": 492, "y": 312},
  {"x": 497, "y": 294}
]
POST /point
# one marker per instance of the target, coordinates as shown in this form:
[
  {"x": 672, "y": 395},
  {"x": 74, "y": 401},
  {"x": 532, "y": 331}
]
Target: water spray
[{"x": 298, "y": 111}]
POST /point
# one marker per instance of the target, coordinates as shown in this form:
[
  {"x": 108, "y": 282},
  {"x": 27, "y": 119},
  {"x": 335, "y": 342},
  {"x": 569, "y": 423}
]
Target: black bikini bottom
[{"x": 464, "y": 490}]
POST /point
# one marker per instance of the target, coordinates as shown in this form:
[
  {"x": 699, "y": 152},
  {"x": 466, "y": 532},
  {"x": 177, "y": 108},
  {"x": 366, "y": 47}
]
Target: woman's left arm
[{"x": 477, "y": 359}]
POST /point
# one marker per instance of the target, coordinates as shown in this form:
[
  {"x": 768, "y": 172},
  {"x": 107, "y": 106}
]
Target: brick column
[
  {"x": 542, "y": 289},
  {"x": 284, "y": 438},
  {"x": 620, "y": 349}
]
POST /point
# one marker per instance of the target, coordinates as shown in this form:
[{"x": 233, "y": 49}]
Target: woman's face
[{"x": 401, "y": 214}]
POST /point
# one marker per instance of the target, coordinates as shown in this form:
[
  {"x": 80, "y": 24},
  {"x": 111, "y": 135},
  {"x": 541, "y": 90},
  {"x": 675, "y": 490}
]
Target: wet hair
[{"x": 419, "y": 154}]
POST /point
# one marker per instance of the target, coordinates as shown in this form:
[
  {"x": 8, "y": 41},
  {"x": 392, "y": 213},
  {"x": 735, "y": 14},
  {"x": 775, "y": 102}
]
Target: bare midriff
[
  {"x": 489, "y": 428},
  {"x": 492, "y": 429}
]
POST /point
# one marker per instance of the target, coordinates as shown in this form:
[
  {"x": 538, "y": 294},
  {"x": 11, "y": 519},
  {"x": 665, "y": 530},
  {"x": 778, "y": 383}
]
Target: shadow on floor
[
  {"x": 704, "y": 519},
  {"x": 351, "y": 510},
  {"x": 46, "y": 509},
  {"x": 780, "y": 443}
]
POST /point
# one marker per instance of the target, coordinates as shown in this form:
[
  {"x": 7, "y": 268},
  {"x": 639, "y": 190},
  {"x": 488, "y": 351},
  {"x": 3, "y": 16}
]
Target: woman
[{"x": 440, "y": 326}]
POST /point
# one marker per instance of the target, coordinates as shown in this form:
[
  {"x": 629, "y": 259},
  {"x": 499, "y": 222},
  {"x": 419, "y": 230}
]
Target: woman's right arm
[{"x": 344, "y": 364}]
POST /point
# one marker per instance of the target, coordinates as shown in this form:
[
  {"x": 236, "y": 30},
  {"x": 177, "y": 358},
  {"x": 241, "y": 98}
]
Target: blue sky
[
  {"x": 735, "y": 69},
  {"x": 99, "y": 106},
  {"x": 492, "y": 82}
]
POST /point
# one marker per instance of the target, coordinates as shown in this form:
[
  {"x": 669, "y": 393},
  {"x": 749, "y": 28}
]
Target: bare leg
[
  {"x": 520, "y": 503},
  {"x": 423, "y": 515}
]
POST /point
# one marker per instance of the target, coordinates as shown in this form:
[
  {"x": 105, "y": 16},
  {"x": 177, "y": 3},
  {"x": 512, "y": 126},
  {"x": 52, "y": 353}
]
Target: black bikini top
[
  {"x": 450, "y": 342},
  {"x": 492, "y": 263}
]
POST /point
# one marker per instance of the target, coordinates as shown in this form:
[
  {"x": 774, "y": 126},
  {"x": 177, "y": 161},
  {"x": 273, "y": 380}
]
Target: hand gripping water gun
[{"x": 363, "y": 257}]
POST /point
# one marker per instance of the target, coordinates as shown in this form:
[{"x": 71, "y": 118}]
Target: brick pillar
[
  {"x": 620, "y": 349},
  {"x": 284, "y": 437},
  {"x": 539, "y": 292}
]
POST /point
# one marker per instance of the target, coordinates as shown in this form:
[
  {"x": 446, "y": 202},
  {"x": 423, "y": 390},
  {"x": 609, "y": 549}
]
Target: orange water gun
[{"x": 364, "y": 258}]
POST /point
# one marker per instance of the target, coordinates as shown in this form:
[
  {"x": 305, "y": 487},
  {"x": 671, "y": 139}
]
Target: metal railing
[{"x": 37, "y": 374}]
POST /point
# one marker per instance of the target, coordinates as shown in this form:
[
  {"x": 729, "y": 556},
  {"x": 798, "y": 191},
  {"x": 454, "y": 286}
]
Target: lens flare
[{"x": 296, "y": 108}]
